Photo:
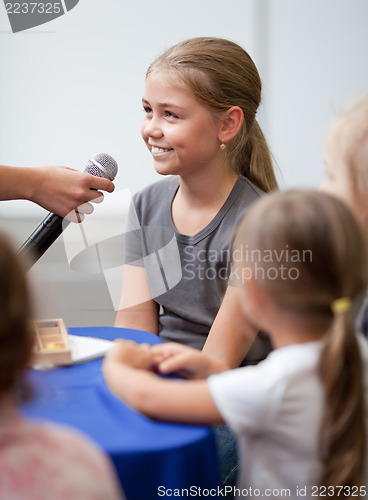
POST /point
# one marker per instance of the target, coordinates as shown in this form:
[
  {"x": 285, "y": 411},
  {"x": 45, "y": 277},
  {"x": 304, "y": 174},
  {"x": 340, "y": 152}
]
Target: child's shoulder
[
  {"x": 167, "y": 184},
  {"x": 157, "y": 192},
  {"x": 286, "y": 363},
  {"x": 39, "y": 456},
  {"x": 43, "y": 435},
  {"x": 249, "y": 187},
  {"x": 297, "y": 357},
  {"x": 243, "y": 195}
]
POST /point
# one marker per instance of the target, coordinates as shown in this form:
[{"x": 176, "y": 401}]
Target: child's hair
[
  {"x": 221, "y": 74},
  {"x": 15, "y": 312},
  {"x": 306, "y": 250},
  {"x": 352, "y": 126}
]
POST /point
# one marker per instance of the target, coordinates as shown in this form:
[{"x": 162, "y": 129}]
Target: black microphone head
[{"x": 102, "y": 165}]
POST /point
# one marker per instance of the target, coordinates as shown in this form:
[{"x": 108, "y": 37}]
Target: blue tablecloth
[{"x": 150, "y": 457}]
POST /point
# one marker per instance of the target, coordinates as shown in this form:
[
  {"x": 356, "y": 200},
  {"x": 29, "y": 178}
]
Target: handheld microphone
[{"x": 100, "y": 165}]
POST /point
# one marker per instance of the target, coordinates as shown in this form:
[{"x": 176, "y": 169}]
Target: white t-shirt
[{"x": 276, "y": 410}]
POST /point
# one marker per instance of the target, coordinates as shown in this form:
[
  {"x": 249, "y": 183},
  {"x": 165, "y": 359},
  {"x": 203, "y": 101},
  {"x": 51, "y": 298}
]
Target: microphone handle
[{"x": 42, "y": 238}]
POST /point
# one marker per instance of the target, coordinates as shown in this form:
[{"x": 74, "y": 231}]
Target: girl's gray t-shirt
[{"x": 188, "y": 275}]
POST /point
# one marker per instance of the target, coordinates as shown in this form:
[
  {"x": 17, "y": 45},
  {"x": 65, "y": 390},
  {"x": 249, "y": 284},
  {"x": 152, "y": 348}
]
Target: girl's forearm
[{"x": 160, "y": 398}]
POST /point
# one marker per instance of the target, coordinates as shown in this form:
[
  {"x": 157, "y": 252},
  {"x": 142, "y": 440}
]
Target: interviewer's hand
[
  {"x": 60, "y": 190},
  {"x": 185, "y": 361},
  {"x": 66, "y": 192}
]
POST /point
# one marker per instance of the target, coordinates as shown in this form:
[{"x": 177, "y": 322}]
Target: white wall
[
  {"x": 72, "y": 88},
  {"x": 316, "y": 64}
]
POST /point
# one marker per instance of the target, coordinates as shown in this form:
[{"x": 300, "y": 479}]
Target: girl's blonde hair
[
  {"x": 16, "y": 340},
  {"x": 309, "y": 250},
  {"x": 352, "y": 125},
  {"x": 221, "y": 74}
]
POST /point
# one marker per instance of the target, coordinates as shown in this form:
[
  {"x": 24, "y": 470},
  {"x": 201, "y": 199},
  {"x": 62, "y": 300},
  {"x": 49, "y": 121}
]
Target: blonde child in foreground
[
  {"x": 300, "y": 415},
  {"x": 346, "y": 158},
  {"x": 43, "y": 461}
]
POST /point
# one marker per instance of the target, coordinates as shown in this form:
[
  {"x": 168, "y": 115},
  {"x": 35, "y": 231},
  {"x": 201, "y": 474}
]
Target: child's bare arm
[
  {"x": 126, "y": 369},
  {"x": 231, "y": 334},
  {"x": 137, "y": 308}
]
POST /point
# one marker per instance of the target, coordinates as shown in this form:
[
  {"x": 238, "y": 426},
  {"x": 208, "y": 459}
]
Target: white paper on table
[{"x": 87, "y": 348}]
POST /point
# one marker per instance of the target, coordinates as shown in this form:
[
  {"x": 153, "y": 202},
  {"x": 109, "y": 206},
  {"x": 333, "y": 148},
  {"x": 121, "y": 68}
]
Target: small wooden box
[{"x": 52, "y": 346}]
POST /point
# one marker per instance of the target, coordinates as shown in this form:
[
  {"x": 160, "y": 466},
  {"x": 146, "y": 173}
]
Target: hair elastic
[{"x": 341, "y": 305}]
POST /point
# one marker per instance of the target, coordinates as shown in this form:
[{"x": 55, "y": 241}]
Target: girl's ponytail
[
  {"x": 323, "y": 252},
  {"x": 343, "y": 438},
  {"x": 252, "y": 158}
]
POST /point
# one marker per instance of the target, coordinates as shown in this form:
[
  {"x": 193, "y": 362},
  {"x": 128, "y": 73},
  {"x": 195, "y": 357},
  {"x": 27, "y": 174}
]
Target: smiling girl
[{"x": 200, "y": 102}]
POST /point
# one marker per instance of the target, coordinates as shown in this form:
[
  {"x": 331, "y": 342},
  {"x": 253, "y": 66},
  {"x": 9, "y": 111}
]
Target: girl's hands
[
  {"x": 185, "y": 361},
  {"x": 128, "y": 352},
  {"x": 166, "y": 358},
  {"x": 160, "y": 397}
]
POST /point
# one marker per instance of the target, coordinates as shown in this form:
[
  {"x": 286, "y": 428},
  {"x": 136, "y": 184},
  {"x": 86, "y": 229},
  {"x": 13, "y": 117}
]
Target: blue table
[{"x": 150, "y": 457}]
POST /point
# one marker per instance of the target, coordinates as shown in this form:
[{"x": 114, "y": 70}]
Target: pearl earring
[{"x": 222, "y": 146}]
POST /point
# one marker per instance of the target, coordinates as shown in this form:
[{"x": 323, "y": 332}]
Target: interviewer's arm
[{"x": 57, "y": 189}]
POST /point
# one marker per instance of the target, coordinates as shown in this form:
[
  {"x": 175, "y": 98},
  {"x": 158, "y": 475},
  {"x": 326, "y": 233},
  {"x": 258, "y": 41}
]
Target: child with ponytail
[
  {"x": 300, "y": 260},
  {"x": 200, "y": 103}
]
